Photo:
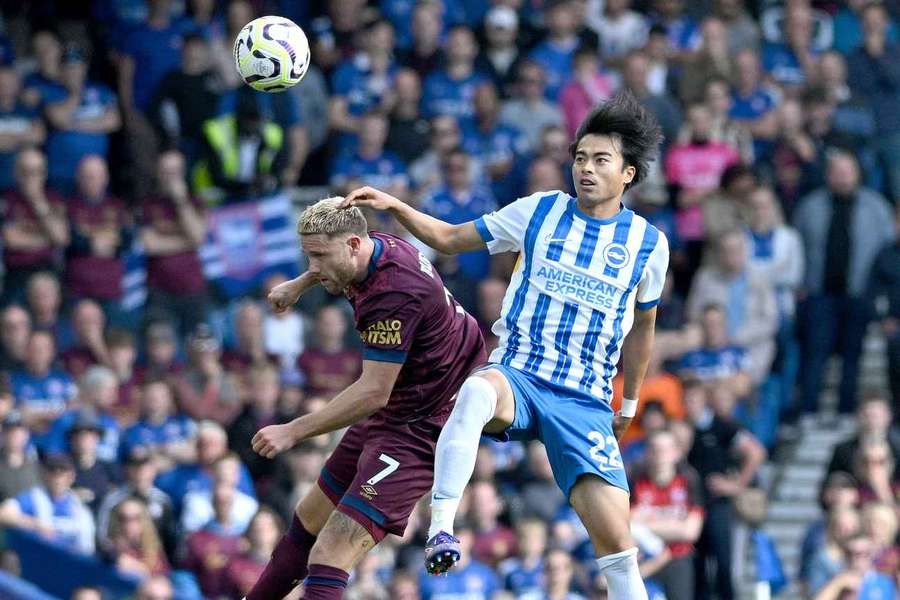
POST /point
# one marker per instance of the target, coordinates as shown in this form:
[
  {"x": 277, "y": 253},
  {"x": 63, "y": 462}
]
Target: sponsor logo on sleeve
[{"x": 383, "y": 333}]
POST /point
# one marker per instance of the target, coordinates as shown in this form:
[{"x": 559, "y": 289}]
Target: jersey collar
[{"x": 572, "y": 208}]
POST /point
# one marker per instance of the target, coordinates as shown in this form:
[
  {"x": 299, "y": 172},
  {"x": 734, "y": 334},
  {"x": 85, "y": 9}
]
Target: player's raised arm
[{"x": 443, "y": 237}]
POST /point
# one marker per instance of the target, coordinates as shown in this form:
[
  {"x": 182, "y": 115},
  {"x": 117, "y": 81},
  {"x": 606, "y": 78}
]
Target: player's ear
[
  {"x": 355, "y": 242},
  {"x": 629, "y": 172}
]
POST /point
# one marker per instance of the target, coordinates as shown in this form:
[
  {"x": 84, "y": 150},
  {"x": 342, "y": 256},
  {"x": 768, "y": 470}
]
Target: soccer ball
[{"x": 271, "y": 54}]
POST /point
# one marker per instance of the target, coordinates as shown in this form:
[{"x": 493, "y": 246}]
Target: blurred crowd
[{"x": 126, "y": 433}]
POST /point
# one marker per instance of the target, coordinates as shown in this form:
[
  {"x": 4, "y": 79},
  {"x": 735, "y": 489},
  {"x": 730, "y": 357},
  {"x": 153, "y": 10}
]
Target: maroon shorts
[{"x": 379, "y": 471}]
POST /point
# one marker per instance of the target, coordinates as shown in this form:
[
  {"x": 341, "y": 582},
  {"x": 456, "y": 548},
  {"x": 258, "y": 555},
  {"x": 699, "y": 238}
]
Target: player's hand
[
  {"x": 724, "y": 486},
  {"x": 620, "y": 425},
  {"x": 283, "y": 296},
  {"x": 271, "y": 441},
  {"x": 369, "y": 197}
]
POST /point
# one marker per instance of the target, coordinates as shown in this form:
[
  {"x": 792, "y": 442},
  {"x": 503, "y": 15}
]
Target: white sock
[
  {"x": 623, "y": 579},
  {"x": 457, "y": 448}
]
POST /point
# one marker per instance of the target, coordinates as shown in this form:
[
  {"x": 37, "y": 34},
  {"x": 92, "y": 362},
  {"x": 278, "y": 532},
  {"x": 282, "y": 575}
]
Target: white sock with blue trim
[
  {"x": 623, "y": 578},
  {"x": 457, "y": 448}
]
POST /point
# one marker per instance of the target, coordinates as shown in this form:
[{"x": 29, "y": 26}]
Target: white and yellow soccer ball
[{"x": 271, "y": 54}]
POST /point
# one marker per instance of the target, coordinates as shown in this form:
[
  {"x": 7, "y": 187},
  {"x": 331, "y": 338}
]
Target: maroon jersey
[
  {"x": 404, "y": 314},
  {"x": 14, "y": 208},
  {"x": 179, "y": 273},
  {"x": 87, "y": 274}
]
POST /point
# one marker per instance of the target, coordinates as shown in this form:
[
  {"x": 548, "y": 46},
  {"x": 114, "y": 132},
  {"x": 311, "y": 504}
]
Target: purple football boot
[{"x": 441, "y": 553}]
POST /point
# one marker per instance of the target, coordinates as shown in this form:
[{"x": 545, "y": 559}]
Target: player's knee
[
  {"x": 475, "y": 402},
  {"x": 341, "y": 543}
]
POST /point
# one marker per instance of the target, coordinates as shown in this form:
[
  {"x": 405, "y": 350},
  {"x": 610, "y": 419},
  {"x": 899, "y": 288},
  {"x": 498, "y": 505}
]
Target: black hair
[{"x": 638, "y": 132}]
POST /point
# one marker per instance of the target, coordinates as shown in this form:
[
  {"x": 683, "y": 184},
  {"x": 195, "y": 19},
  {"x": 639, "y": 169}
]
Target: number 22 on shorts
[{"x": 599, "y": 451}]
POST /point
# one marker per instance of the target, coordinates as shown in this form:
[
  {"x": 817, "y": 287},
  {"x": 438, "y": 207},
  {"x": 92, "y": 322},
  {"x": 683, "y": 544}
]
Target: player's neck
[
  {"x": 602, "y": 210},
  {"x": 366, "y": 249}
]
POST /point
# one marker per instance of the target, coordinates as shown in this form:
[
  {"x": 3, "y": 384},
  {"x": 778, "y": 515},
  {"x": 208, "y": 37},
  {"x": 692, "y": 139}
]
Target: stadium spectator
[
  {"x": 743, "y": 32},
  {"x": 451, "y": 90},
  {"x": 748, "y": 297},
  {"x": 89, "y": 347},
  {"x": 527, "y": 108},
  {"x": 160, "y": 353},
  {"x": 197, "y": 474},
  {"x": 727, "y": 458},
  {"x": 197, "y": 507},
  {"x": 248, "y": 348},
  {"x": 283, "y": 332},
  {"x": 47, "y": 50},
  {"x": 188, "y": 97},
  {"x": 839, "y": 491},
  {"x": 51, "y": 509},
  {"x": 877, "y": 79},
  {"x": 879, "y": 522},
  {"x": 329, "y": 365},
  {"x": 683, "y": 33},
  {"x": 262, "y": 535},
  {"x": 667, "y": 499},
  {"x": 522, "y": 574},
  {"x": 93, "y": 477},
  {"x": 140, "y": 471},
  {"x": 34, "y": 224},
  {"x": 15, "y": 331},
  {"x": 587, "y": 87},
  {"x": 370, "y": 164},
  {"x": 122, "y": 356},
  {"x": 716, "y": 361},
  {"x": 20, "y": 124},
  {"x": 827, "y": 561},
  {"x": 493, "y": 541},
  {"x": 100, "y": 234},
  {"x": 754, "y": 101},
  {"x": 445, "y": 136},
  {"x": 718, "y": 99},
  {"x": 155, "y": 588},
  {"x": 259, "y": 410},
  {"x": 661, "y": 390},
  {"x": 843, "y": 227},
  {"x": 423, "y": 55},
  {"x": 209, "y": 551},
  {"x": 792, "y": 61},
  {"x": 361, "y": 84},
  {"x": 619, "y": 28},
  {"x": 559, "y": 574},
  {"x": 132, "y": 543},
  {"x": 873, "y": 424},
  {"x": 19, "y": 470},
  {"x": 204, "y": 390},
  {"x": 408, "y": 131},
  {"x": 635, "y": 78},
  {"x": 555, "y": 53},
  {"x": 42, "y": 392},
  {"x": 159, "y": 430},
  {"x": 495, "y": 144},
  {"x": 82, "y": 115},
  {"x": 884, "y": 290},
  {"x": 45, "y": 302},
  {"x": 87, "y": 593},
  {"x": 460, "y": 200},
  {"x": 97, "y": 395},
  {"x": 859, "y": 577},
  {"x": 711, "y": 61},
  {"x": 874, "y": 469},
  {"x": 500, "y": 55},
  {"x": 173, "y": 226}
]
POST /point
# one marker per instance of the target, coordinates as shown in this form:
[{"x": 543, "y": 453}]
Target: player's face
[
  {"x": 330, "y": 260},
  {"x": 599, "y": 171}
]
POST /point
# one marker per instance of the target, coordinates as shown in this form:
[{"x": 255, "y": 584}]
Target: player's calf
[
  {"x": 340, "y": 545},
  {"x": 288, "y": 564}
]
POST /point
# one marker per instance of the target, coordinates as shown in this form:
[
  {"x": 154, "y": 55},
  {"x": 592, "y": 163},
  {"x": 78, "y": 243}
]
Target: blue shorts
[{"x": 575, "y": 428}]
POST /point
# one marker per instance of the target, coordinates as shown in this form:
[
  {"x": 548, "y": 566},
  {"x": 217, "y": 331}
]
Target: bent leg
[
  {"x": 287, "y": 565},
  {"x": 484, "y": 402},
  {"x": 604, "y": 509},
  {"x": 340, "y": 545}
]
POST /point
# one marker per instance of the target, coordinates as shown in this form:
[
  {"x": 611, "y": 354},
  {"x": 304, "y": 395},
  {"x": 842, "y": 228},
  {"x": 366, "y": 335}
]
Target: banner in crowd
[{"x": 245, "y": 243}]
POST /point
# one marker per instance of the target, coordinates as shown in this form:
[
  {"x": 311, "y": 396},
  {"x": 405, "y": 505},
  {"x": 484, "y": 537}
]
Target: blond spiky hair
[{"x": 325, "y": 217}]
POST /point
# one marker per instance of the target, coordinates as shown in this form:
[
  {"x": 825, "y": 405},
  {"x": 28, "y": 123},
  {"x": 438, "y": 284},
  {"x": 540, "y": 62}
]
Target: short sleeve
[
  {"x": 654, "y": 277},
  {"x": 387, "y": 324},
  {"x": 504, "y": 230}
]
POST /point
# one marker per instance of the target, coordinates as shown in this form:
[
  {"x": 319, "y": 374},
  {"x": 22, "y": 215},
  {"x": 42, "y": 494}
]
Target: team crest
[
  {"x": 367, "y": 491},
  {"x": 616, "y": 255}
]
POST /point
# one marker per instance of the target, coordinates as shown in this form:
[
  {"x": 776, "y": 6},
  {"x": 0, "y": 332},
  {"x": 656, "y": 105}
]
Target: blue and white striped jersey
[{"x": 571, "y": 299}]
